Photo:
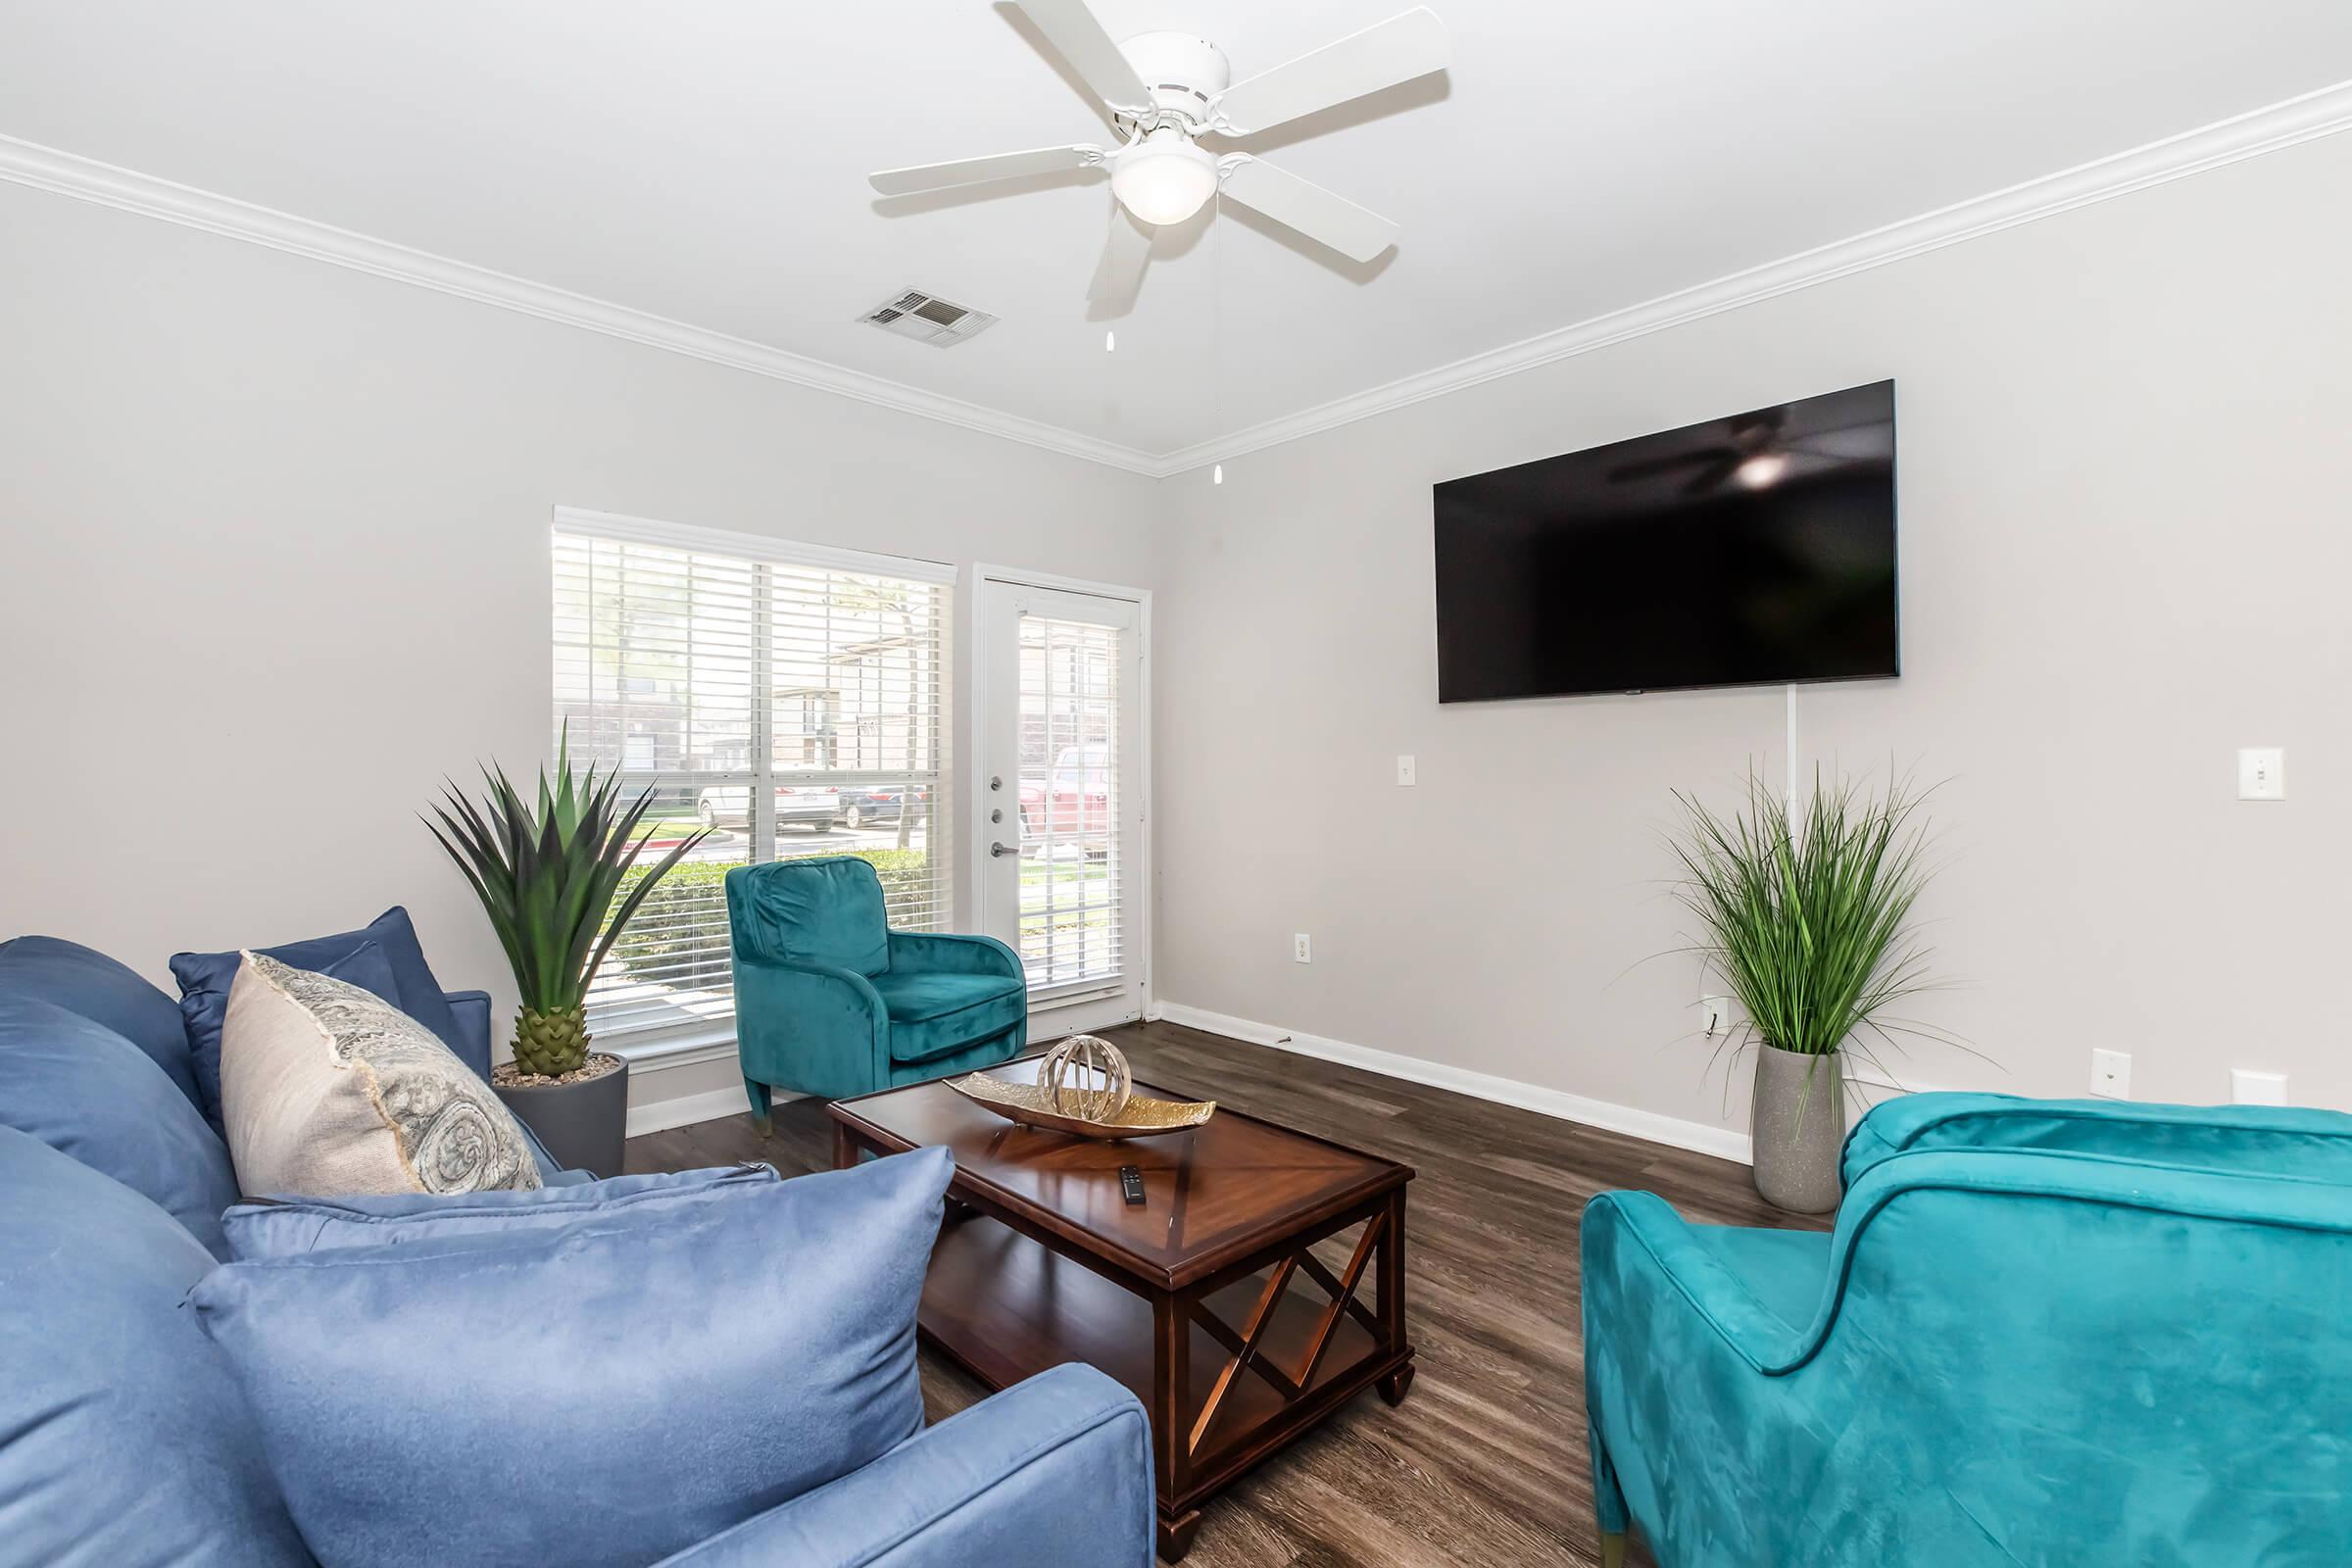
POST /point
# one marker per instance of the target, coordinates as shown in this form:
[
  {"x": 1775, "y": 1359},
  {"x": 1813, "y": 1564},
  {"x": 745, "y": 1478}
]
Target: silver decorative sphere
[{"x": 1068, "y": 1075}]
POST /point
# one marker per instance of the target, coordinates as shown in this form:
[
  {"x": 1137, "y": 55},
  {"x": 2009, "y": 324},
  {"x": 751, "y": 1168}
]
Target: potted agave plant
[
  {"x": 547, "y": 879},
  {"x": 1806, "y": 916}
]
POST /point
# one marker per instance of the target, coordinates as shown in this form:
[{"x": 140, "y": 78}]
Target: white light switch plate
[
  {"x": 1301, "y": 950},
  {"x": 1405, "y": 770},
  {"x": 2110, "y": 1074},
  {"x": 2262, "y": 773}
]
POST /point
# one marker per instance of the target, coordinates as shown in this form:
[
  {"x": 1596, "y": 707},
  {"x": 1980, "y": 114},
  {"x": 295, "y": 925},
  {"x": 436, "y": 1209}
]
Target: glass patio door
[{"x": 1060, "y": 798}]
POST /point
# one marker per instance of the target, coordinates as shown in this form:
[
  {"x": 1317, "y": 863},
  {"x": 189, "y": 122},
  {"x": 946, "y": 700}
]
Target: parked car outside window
[
  {"x": 879, "y": 803},
  {"x": 813, "y": 806},
  {"x": 1073, "y": 805}
]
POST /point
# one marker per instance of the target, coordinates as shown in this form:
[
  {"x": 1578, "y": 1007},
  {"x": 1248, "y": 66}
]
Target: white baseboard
[
  {"x": 683, "y": 1110},
  {"x": 1722, "y": 1141}
]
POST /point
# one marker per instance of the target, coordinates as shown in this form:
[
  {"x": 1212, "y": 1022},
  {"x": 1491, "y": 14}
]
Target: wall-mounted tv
[{"x": 1756, "y": 549}]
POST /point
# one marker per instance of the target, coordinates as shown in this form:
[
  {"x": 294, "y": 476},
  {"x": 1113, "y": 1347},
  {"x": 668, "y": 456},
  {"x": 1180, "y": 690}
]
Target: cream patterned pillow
[{"x": 327, "y": 1090}]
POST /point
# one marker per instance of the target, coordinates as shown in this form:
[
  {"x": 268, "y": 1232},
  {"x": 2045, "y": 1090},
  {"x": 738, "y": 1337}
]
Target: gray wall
[
  {"x": 2124, "y": 480},
  {"x": 275, "y": 561}
]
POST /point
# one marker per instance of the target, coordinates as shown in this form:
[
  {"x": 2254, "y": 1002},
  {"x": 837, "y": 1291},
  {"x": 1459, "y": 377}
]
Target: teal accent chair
[
  {"x": 2041, "y": 1332},
  {"x": 829, "y": 1001}
]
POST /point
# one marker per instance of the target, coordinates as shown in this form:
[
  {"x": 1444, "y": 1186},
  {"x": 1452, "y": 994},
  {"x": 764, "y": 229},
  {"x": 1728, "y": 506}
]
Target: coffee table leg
[
  {"x": 845, "y": 1147},
  {"x": 1176, "y": 1538},
  {"x": 1393, "y": 1388},
  {"x": 1171, "y": 1383}
]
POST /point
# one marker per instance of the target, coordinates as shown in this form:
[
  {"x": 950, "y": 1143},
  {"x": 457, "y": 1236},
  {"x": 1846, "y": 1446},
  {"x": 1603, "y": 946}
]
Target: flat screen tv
[{"x": 1756, "y": 548}]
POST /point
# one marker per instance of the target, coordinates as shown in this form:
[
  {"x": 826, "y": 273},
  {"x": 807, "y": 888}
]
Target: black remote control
[{"x": 1130, "y": 1182}]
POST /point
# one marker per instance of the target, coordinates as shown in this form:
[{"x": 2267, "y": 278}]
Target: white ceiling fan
[{"x": 1166, "y": 91}]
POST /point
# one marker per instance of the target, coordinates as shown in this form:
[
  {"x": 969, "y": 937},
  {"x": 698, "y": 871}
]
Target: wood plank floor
[{"x": 1484, "y": 1464}]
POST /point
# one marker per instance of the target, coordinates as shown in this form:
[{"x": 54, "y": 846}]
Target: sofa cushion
[
  {"x": 269, "y": 1228},
  {"x": 932, "y": 1013},
  {"x": 598, "y": 1395},
  {"x": 87, "y": 981},
  {"x": 205, "y": 978},
  {"x": 822, "y": 909},
  {"x": 329, "y": 1090},
  {"x": 85, "y": 1091},
  {"x": 124, "y": 1439}
]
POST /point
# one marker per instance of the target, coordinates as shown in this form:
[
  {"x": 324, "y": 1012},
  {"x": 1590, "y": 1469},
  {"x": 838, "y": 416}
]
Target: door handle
[{"x": 995, "y": 850}]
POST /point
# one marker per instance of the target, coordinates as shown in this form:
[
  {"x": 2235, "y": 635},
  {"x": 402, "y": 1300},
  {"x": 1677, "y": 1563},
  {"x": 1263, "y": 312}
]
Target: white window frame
[{"x": 693, "y": 1043}]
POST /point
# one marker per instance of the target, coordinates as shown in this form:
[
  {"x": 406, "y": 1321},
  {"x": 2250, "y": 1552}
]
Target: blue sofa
[
  {"x": 2041, "y": 1332},
  {"x": 125, "y": 1439},
  {"x": 829, "y": 1001}
]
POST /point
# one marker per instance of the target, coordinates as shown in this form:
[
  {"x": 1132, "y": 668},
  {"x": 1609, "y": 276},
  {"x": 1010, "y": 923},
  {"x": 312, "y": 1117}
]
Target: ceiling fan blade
[
  {"x": 1712, "y": 476},
  {"x": 1069, "y": 25},
  {"x": 1383, "y": 55},
  {"x": 1120, "y": 271},
  {"x": 979, "y": 171},
  {"x": 1354, "y": 232},
  {"x": 1651, "y": 467}
]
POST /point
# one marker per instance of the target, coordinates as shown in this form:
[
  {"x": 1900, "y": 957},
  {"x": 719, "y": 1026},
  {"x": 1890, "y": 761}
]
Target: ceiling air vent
[{"x": 928, "y": 320}]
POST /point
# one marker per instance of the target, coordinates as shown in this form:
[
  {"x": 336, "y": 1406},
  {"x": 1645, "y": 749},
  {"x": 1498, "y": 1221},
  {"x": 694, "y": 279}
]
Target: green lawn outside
[{"x": 1036, "y": 873}]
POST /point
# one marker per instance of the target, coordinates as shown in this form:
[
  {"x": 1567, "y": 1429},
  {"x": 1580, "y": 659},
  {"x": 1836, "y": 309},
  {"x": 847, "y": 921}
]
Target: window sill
[{"x": 683, "y": 1049}]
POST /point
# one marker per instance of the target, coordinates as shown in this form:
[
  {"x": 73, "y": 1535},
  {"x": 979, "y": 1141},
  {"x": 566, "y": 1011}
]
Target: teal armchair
[
  {"x": 2118, "y": 1338},
  {"x": 829, "y": 1001}
]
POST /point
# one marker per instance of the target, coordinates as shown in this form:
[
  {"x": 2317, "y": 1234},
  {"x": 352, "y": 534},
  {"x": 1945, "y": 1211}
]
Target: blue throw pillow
[
  {"x": 272, "y": 1228},
  {"x": 369, "y": 967},
  {"x": 124, "y": 1439},
  {"x": 205, "y": 978},
  {"x": 600, "y": 1394},
  {"x": 85, "y": 1091},
  {"x": 87, "y": 981}
]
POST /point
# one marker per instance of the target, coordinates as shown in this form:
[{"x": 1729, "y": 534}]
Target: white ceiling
[{"x": 706, "y": 162}]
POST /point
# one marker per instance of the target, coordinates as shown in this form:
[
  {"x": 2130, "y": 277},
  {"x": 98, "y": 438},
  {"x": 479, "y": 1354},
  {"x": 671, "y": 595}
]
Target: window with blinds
[{"x": 792, "y": 701}]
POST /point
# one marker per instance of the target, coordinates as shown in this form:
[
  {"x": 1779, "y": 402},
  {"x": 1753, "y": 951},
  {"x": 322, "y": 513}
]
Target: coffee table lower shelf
[{"x": 1005, "y": 1307}]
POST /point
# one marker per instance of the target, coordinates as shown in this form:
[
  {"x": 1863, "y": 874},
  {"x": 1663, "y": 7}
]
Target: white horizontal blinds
[
  {"x": 656, "y": 675},
  {"x": 724, "y": 682},
  {"x": 1070, "y": 788},
  {"x": 857, "y": 676}
]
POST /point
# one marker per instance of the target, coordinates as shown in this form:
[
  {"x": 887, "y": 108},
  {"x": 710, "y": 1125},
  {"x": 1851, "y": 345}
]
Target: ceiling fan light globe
[{"x": 1165, "y": 182}]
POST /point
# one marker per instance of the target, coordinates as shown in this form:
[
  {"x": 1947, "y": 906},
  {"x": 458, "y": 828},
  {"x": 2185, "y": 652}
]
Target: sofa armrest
[
  {"x": 1054, "y": 1470},
  {"x": 1646, "y": 1226},
  {"x": 815, "y": 1027},
  {"x": 796, "y": 982},
  {"x": 471, "y": 1009},
  {"x": 943, "y": 952}
]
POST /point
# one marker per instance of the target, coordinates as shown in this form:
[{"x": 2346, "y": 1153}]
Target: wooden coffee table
[{"x": 1205, "y": 1300}]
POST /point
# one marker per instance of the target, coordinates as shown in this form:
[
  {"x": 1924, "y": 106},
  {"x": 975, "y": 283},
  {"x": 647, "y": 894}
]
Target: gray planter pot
[
  {"x": 583, "y": 1125},
  {"x": 1797, "y": 1124}
]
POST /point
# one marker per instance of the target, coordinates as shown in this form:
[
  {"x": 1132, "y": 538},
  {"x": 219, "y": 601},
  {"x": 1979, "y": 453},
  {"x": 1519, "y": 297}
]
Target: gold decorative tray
[{"x": 1032, "y": 1105}]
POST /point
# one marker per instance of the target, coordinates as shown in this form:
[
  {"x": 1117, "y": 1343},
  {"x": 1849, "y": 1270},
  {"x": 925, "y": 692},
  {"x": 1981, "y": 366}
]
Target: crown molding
[
  {"x": 2307, "y": 118},
  {"x": 2314, "y": 114},
  {"x": 65, "y": 173}
]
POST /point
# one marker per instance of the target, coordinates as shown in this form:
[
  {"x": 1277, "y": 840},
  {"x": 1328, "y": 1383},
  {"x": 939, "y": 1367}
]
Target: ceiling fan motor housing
[{"x": 1184, "y": 73}]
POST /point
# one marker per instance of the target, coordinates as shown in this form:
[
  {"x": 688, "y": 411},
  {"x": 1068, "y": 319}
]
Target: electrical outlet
[
  {"x": 1714, "y": 1015},
  {"x": 1404, "y": 771},
  {"x": 1301, "y": 950},
  {"x": 2250, "y": 1088},
  {"x": 2110, "y": 1074}
]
